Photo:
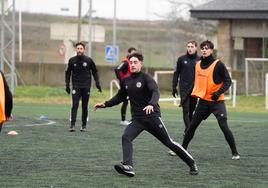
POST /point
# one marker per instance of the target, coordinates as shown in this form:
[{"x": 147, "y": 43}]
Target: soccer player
[
  {"x": 80, "y": 68},
  {"x": 6, "y": 101},
  {"x": 185, "y": 72},
  {"x": 121, "y": 72},
  {"x": 143, "y": 95},
  {"x": 211, "y": 81}
]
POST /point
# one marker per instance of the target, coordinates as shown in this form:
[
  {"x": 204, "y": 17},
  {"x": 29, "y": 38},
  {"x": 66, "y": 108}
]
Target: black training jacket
[
  {"x": 142, "y": 91},
  {"x": 80, "y": 69},
  {"x": 185, "y": 71}
]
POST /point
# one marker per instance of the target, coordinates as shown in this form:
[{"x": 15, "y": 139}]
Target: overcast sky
[{"x": 126, "y": 9}]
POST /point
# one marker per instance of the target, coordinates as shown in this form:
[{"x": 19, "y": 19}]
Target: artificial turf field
[{"x": 45, "y": 154}]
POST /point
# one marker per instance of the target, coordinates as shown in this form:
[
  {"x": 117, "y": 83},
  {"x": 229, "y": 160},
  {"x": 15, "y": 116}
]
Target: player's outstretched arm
[{"x": 99, "y": 105}]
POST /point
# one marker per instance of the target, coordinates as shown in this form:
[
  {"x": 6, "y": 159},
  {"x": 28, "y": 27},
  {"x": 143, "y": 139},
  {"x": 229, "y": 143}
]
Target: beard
[{"x": 79, "y": 54}]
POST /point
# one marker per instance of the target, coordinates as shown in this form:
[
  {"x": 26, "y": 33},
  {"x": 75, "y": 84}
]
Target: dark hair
[
  {"x": 193, "y": 42},
  {"x": 207, "y": 43},
  {"x": 80, "y": 43},
  {"x": 137, "y": 55},
  {"x": 131, "y": 49}
]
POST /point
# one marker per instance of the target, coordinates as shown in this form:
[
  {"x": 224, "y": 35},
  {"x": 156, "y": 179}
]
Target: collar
[
  {"x": 191, "y": 56},
  {"x": 207, "y": 60}
]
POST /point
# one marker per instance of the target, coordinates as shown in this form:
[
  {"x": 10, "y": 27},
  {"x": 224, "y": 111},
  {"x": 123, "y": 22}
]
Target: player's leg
[
  {"x": 201, "y": 113},
  {"x": 130, "y": 133},
  {"x": 186, "y": 119},
  {"x": 1, "y": 124},
  {"x": 220, "y": 113},
  {"x": 85, "y": 93},
  {"x": 76, "y": 94},
  {"x": 123, "y": 113},
  {"x": 185, "y": 112},
  {"x": 193, "y": 102},
  {"x": 157, "y": 128}
]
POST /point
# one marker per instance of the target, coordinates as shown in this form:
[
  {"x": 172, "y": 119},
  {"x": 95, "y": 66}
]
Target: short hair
[
  {"x": 193, "y": 42},
  {"x": 80, "y": 43},
  {"x": 131, "y": 49},
  {"x": 137, "y": 55},
  {"x": 207, "y": 43}
]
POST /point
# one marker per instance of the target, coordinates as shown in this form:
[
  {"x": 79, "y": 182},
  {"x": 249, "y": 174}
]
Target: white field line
[
  {"x": 51, "y": 122},
  {"x": 47, "y": 122},
  {"x": 229, "y": 120},
  {"x": 244, "y": 121}
]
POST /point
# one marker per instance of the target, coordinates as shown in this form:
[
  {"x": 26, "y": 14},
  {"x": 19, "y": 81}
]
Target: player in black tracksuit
[
  {"x": 185, "y": 73},
  {"x": 143, "y": 95},
  {"x": 212, "y": 105},
  {"x": 80, "y": 68}
]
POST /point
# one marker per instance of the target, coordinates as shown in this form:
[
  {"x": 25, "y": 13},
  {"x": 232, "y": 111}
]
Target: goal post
[
  {"x": 166, "y": 99},
  {"x": 232, "y": 93},
  {"x": 231, "y": 96},
  {"x": 255, "y": 70},
  {"x": 113, "y": 83},
  {"x": 266, "y": 91}
]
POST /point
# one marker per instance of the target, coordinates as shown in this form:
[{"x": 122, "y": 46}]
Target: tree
[
  {"x": 179, "y": 24},
  {"x": 180, "y": 9}
]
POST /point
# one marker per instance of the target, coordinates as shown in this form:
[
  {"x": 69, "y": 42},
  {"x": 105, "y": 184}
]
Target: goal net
[{"x": 255, "y": 70}]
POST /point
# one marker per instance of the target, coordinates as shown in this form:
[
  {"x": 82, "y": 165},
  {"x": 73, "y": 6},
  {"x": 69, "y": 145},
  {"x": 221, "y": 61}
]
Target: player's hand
[
  {"x": 183, "y": 100},
  {"x": 10, "y": 118},
  {"x": 148, "y": 109},
  {"x": 215, "y": 96},
  {"x": 175, "y": 92},
  {"x": 99, "y": 87},
  {"x": 67, "y": 89},
  {"x": 99, "y": 105}
]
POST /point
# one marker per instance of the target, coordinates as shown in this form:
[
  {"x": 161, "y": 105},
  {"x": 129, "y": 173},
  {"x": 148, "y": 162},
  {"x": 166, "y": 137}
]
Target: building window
[{"x": 253, "y": 48}]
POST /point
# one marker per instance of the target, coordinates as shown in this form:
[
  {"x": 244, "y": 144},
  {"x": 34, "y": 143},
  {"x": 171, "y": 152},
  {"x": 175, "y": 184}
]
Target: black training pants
[
  {"x": 188, "y": 108},
  {"x": 202, "y": 111},
  {"x": 84, "y": 94},
  {"x": 156, "y": 127}
]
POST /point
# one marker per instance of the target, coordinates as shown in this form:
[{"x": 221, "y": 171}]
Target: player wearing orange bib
[
  {"x": 211, "y": 81},
  {"x": 6, "y": 101}
]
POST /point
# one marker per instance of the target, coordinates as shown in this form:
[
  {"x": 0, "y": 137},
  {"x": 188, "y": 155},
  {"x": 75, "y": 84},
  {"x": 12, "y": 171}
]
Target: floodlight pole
[
  {"x": 148, "y": 38},
  {"x": 79, "y": 21},
  {"x": 114, "y": 32},
  {"x": 12, "y": 43},
  {"x": 13, "y": 55},
  {"x": 90, "y": 29},
  {"x": 20, "y": 37},
  {"x": 2, "y": 36}
]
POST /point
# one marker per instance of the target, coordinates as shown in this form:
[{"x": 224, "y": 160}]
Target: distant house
[{"x": 242, "y": 28}]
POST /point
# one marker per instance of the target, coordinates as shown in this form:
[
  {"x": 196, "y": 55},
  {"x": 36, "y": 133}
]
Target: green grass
[
  {"x": 50, "y": 156},
  {"x": 35, "y": 94}
]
